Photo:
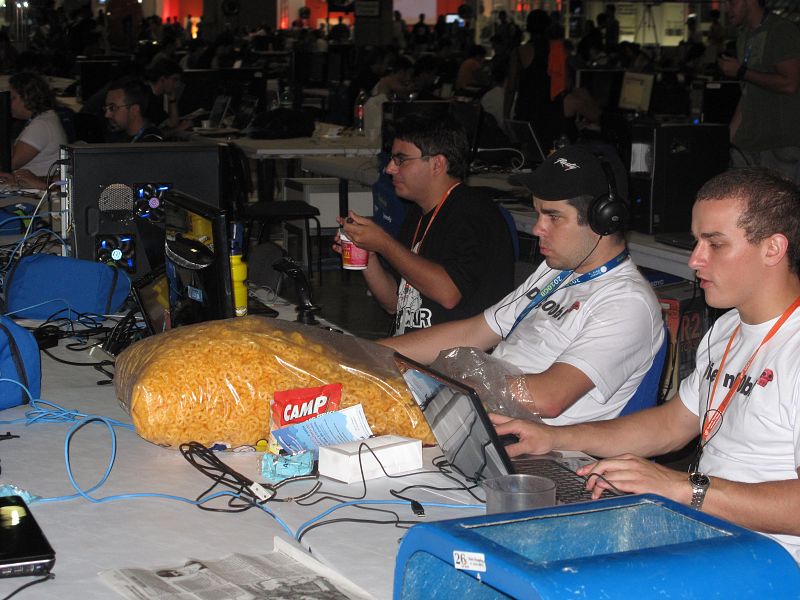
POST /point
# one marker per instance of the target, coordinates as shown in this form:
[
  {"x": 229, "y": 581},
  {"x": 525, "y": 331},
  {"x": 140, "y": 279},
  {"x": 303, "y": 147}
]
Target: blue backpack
[{"x": 19, "y": 361}]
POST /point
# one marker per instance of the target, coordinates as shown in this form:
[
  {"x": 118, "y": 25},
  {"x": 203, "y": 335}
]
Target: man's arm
[
  {"x": 22, "y": 154},
  {"x": 649, "y": 432},
  {"x": 424, "y": 345},
  {"x": 381, "y": 283},
  {"x": 785, "y": 79},
  {"x": 553, "y": 391},
  {"x": 429, "y": 278},
  {"x": 736, "y": 120}
]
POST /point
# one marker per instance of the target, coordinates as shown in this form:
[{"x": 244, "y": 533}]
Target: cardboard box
[
  {"x": 686, "y": 317},
  {"x": 397, "y": 455}
]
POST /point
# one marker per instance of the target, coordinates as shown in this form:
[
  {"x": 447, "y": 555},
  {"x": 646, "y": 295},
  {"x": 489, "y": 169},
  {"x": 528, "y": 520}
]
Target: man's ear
[
  {"x": 440, "y": 164},
  {"x": 775, "y": 248}
]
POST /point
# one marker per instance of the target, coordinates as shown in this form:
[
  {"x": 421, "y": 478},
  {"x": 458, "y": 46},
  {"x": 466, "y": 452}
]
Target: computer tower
[
  {"x": 112, "y": 195},
  {"x": 668, "y": 164}
]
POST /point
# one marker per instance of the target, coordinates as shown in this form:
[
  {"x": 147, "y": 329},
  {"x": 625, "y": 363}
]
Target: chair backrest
[
  {"x": 512, "y": 228},
  {"x": 646, "y": 395}
]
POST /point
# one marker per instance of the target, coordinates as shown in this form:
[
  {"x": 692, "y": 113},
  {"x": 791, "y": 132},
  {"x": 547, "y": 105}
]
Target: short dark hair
[
  {"x": 164, "y": 67},
  {"x": 433, "y": 135},
  {"x": 34, "y": 91},
  {"x": 135, "y": 90},
  {"x": 770, "y": 205}
]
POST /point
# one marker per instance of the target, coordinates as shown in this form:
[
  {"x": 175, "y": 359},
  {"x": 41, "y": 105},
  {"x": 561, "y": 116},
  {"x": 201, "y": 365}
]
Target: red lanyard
[
  {"x": 716, "y": 415},
  {"x": 433, "y": 217}
]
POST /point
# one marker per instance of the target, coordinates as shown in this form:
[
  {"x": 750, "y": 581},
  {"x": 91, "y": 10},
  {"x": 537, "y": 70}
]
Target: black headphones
[{"x": 608, "y": 213}]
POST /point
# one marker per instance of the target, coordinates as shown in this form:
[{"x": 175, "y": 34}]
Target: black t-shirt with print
[{"x": 471, "y": 239}]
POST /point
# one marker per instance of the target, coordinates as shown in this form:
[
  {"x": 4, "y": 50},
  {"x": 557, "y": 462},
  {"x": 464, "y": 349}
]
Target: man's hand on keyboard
[
  {"x": 636, "y": 475},
  {"x": 534, "y": 438}
]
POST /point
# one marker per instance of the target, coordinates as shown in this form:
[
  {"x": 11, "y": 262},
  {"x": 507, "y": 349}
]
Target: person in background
[
  {"x": 741, "y": 398},
  {"x": 471, "y": 74},
  {"x": 585, "y": 327},
  {"x": 37, "y": 147},
  {"x": 611, "y": 37},
  {"x": 765, "y": 129},
  {"x": 126, "y": 107},
  {"x": 395, "y": 83},
  {"x": 164, "y": 80},
  {"x": 454, "y": 254}
]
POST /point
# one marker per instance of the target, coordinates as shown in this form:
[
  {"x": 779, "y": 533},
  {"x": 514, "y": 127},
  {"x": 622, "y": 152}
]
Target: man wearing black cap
[{"x": 585, "y": 327}]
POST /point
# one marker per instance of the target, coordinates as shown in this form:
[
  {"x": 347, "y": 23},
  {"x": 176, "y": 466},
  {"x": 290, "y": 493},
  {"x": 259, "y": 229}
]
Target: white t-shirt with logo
[
  {"x": 610, "y": 328},
  {"x": 759, "y": 436}
]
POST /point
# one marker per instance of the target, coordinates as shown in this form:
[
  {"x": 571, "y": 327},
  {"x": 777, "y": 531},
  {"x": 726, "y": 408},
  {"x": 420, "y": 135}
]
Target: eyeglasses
[
  {"x": 399, "y": 159},
  {"x": 112, "y": 108}
]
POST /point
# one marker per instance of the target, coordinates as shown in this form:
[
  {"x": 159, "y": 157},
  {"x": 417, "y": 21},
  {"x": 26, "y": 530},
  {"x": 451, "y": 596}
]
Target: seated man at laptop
[
  {"x": 126, "y": 104},
  {"x": 585, "y": 327},
  {"x": 454, "y": 255},
  {"x": 742, "y": 397}
]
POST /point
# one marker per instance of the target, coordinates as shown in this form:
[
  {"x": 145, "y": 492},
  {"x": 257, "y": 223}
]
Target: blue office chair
[{"x": 646, "y": 395}]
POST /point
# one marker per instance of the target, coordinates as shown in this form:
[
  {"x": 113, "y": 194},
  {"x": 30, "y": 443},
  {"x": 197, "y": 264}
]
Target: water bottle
[
  {"x": 358, "y": 111},
  {"x": 238, "y": 279},
  {"x": 238, "y": 270}
]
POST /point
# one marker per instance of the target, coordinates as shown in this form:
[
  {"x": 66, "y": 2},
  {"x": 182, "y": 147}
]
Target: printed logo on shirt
[
  {"x": 556, "y": 310},
  {"x": 766, "y": 376},
  {"x": 745, "y": 387}
]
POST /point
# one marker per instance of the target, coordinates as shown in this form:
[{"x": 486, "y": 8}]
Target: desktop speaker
[
  {"x": 669, "y": 163},
  {"x": 114, "y": 211}
]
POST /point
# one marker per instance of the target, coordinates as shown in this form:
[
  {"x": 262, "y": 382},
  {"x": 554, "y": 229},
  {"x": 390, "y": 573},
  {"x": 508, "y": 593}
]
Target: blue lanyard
[{"x": 550, "y": 288}]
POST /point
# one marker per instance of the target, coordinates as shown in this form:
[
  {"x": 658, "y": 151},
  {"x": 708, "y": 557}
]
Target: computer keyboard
[{"x": 570, "y": 487}]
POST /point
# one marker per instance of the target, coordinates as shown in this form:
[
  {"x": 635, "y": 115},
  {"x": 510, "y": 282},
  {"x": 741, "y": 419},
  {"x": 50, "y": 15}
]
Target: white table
[{"x": 89, "y": 538}]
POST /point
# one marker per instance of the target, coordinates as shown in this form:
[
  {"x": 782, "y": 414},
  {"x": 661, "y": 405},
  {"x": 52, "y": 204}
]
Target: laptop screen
[
  {"x": 637, "y": 88},
  {"x": 458, "y": 421}
]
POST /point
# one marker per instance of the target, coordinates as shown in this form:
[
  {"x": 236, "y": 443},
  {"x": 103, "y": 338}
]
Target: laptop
[
  {"x": 247, "y": 111},
  {"x": 24, "y": 549},
  {"x": 522, "y": 134},
  {"x": 469, "y": 442},
  {"x": 219, "y": 111},
  {"x": 152, "y": 297}
]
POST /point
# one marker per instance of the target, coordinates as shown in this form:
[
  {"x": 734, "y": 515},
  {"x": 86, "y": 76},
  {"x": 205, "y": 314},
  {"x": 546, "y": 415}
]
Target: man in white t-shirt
[
  {"x": 743, "y": 398},
  {"x": 594, "y": 325}
]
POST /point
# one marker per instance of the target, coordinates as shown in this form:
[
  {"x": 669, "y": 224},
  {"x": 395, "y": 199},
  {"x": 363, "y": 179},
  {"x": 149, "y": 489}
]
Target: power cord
[{"x": 25, "y": 586}]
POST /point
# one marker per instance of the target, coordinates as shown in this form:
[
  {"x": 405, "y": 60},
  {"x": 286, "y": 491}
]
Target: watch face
[{"x": 698, "y": 479}]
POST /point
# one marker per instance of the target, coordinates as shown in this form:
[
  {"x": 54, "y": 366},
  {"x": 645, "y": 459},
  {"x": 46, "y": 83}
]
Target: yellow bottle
[{"x": 238, "y": 278}]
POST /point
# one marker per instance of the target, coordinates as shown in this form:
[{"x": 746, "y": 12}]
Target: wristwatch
[{"x": 700, "y": 483}]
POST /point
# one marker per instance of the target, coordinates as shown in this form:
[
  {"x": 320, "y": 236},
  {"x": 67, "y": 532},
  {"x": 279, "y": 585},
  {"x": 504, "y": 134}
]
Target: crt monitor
[
  {"x": 636, "y": 91},
  {"x": 603, "y": 84},
  {"x": 197, "y": 252}
]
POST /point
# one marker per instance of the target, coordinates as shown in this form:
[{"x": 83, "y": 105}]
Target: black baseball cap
[{"x": 570, "y": 172}]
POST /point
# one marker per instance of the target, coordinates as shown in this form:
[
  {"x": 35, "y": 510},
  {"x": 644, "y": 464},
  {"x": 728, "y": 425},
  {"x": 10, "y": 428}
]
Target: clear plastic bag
[
  {"x": 213, "y": 382},
  {"x": 500, "y": 385}
]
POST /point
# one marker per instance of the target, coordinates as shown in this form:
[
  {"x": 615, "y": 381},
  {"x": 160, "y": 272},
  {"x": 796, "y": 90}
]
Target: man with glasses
[
  {"x": 454, "y": 253},
  {"x": 126, "y": 102},
  {"x": 742, "y": 398},
  {"x": 765, "y": 129}
]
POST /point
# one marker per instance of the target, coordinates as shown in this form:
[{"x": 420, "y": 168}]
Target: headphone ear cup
[{"x": 607, "y": 215}]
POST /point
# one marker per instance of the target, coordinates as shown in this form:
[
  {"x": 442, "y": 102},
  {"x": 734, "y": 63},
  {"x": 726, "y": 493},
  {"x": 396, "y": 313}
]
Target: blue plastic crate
[{"x": 630, "y": 547}]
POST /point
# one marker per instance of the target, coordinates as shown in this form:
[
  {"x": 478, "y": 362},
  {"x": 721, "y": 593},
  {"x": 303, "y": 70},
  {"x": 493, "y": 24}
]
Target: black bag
[{"x": 281, "y": 124}]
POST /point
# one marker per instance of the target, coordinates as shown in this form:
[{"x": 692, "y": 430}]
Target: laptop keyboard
[{"x": 570, "y": 487}]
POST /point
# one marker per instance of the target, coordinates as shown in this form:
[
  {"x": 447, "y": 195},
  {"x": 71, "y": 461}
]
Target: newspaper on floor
[{"x": 286, "y": 573}]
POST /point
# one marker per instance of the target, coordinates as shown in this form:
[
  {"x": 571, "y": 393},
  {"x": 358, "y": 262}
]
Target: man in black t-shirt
[
  {"x": 454, "y": 254},
  {"x": 125, "y": 109}
]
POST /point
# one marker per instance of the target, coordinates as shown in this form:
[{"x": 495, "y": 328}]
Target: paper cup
[
  {"x": 353, "y": 257},
  {"x": 205, "y": 124}
]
